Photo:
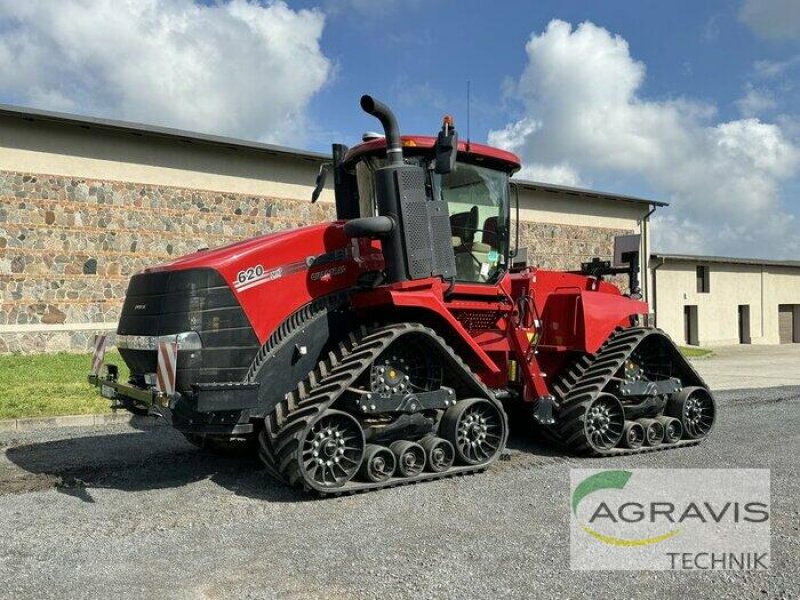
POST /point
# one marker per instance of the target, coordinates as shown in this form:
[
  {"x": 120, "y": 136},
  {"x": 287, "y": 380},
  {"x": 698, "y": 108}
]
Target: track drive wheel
[
  {"x": 476, "y": 428},
  {"x": 594, "y": 426},
  {"x": 331, "y": 450},
  {"x": 695, "y": 408}
]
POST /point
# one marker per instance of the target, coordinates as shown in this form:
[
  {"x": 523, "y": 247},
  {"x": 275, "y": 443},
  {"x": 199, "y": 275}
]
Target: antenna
[{"x": 468, "y": 102}]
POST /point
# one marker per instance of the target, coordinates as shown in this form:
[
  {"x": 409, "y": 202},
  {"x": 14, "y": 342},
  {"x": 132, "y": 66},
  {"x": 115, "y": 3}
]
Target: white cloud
[
  {"x": 238, "y": 67},
  {"x": 772, "y": 19},
  {"x": 769, "y": 69},
  {"x": 582, "y": 108},
  {"x": 755, "y": 102},
  {"x": 561, "y": 174}
]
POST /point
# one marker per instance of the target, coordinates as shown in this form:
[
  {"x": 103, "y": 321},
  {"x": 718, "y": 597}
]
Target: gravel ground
[{"x": 136, "y": 512}]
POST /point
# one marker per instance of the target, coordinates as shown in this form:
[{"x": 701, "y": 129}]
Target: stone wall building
[{"x": 85, "y": 203}]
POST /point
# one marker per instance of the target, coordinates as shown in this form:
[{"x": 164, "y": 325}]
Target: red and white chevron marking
[
  {"x": 167, "y": 364},
  {"x": 99, "y": 353}
]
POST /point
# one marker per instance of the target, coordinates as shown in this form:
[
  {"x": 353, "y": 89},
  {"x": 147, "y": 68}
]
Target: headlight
[{"x": 188, "y": 340}]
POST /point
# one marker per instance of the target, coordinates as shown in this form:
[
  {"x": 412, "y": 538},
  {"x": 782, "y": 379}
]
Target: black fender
[{"x": 296, "y": 346}]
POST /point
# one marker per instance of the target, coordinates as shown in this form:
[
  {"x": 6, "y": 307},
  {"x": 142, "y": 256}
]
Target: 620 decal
[{"x": 255, "y": 275}]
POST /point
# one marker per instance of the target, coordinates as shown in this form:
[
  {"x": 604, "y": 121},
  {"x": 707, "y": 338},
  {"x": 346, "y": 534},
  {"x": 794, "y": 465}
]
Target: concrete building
[
  {"x": 711, "y": 300},
  {"x": 85, "y": 203}
]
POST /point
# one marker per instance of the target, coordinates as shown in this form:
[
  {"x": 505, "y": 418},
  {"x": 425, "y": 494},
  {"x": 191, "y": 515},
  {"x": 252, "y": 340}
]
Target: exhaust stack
[{"x": 376, "y": 108}]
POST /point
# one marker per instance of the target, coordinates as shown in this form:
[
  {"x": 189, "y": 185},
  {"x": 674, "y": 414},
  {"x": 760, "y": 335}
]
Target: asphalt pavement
[
  {"x": 134, "y": 511},
  {"x": 751, "y": 366}
]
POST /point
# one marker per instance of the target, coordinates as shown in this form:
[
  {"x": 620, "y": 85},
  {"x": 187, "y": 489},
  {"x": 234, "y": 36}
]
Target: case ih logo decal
[{"x": 328, "y": 273}]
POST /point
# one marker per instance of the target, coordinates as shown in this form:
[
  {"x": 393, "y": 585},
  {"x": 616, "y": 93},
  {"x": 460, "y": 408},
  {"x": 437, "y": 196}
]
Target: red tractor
[{"x": 391, "y": 345}]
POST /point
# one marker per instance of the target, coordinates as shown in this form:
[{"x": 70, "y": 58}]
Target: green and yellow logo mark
[{"x": 611, "y": 480}]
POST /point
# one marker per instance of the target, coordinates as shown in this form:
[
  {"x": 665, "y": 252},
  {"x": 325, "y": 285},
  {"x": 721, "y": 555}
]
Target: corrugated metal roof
[
  {"x": 34, "y": 114},
  {"x": 192, "y": 137},
  {"x": 695, "y": 258}
]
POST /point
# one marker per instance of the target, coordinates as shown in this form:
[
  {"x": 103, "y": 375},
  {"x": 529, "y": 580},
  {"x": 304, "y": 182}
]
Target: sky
[{"x": 692, "y": 103}]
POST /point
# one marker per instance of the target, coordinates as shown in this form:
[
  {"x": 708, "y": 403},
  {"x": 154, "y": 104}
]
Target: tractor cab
[
  {"x": 439, "y": 206},
  {"x": 475, "y": 192}
]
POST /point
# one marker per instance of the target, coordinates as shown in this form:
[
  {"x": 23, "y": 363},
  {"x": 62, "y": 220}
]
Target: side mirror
[
  {"x": 321, "y": 177},
  {"x": 446, "y": 148}
]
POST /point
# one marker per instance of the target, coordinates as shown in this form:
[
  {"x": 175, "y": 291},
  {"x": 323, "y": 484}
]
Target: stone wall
[
  {"x": 565, "y": 247},
  {"x": 68, "y": 246}
]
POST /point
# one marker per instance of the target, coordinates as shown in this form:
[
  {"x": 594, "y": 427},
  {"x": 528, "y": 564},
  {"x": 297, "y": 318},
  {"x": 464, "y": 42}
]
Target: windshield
[{"x": 477, "y": 200}]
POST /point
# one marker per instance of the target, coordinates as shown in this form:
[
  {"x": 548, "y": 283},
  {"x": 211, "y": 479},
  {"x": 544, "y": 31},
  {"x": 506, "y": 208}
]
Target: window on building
[{"x": 703, "y": 283}]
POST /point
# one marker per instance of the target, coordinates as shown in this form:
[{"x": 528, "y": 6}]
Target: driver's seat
[{"x": 464, "y": 224}]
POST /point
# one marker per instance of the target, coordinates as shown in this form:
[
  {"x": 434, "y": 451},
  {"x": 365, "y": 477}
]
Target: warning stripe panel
[
  {"x": 167, "y": 366},
  {"x": 99, "y": 353}
]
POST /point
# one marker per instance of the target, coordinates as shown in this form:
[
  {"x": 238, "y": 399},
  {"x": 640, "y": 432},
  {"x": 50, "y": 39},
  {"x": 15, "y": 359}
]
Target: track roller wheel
[
  {"x": 476, "y": 429},
  {"x": 695, "y": 408},
  {"x": 439, "y": 454},
  {"x": 673, "y": 430},
  {"x": 633, "y": 435},
  {"x": 653, "y": 431},
  {"x": 379, "y": 463},
  {"x": 410, "y": 457},
  {"x": 332, "y": 449}
]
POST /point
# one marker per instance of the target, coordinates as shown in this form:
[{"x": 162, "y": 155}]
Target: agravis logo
[
  {"x": 670, "y": 519},
  {"x": 612, "y": 480}
]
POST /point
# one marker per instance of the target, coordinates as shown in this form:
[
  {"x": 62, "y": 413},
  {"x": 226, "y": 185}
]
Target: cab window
[{"x": 477, "y": 199}]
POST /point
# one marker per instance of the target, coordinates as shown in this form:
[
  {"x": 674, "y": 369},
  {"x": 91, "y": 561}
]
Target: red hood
[{"x": 275, "y": 274}]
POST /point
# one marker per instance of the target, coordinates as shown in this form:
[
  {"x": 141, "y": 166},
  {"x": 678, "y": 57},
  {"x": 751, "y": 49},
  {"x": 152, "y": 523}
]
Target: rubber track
[
  {"x": 284, "y": 428},
  {"x": 588, "y": 378}
]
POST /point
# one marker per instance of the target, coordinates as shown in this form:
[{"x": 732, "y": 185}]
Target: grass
[
  {"x": 695, "y": 351},
  {"x": 48, "y": 385}
]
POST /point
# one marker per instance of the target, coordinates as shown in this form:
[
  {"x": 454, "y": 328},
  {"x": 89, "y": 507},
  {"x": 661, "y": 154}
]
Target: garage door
[{"x": 786, "y": 323}]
